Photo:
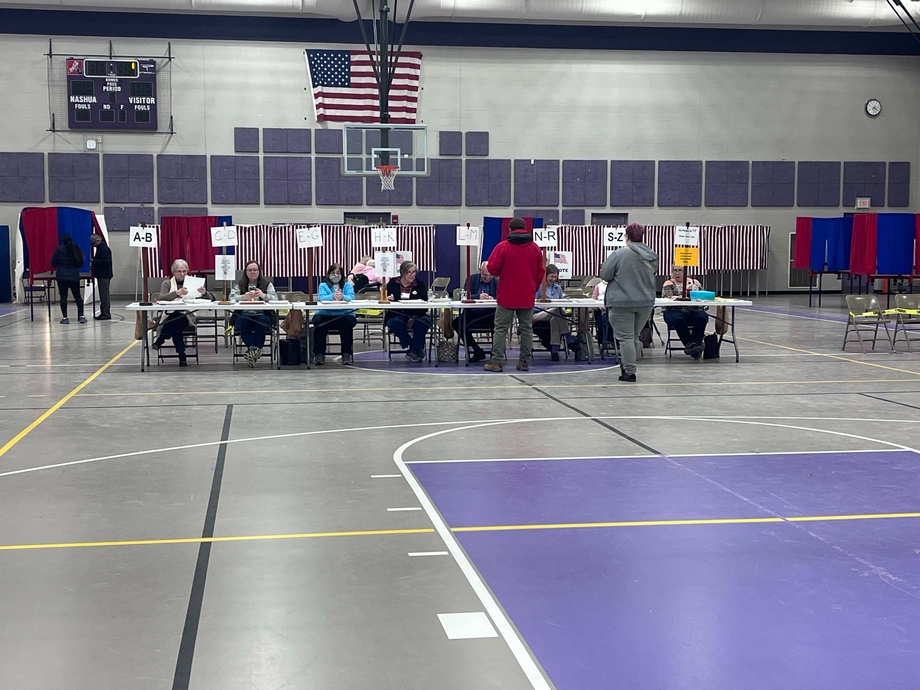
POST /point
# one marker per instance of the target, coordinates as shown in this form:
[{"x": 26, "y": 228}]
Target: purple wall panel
[
  {"x": 550, "y": 216},
  {"x": 632, "y": 183},
  {"x": 247, "y": 167},
  {"x": 32, "y": 189},
  {"x": 235, "y": 180},
  {"x": 328, "y": 168},
  {"x": 300, "y": 192},
  {"x": 275, "y": 192},
  {"x": 477, "y": 143},
  {"x": 818, "y": 184},
  {"x": 247, "y": 192},
  {"x": 354, "y": 141},
  {"x": 680, "y": 183},
  {"x": 328, "y": 141},
  {"x": 537, "y": 183},
  {"x": 572, "y": 216},
  {"x": 288, "y": 180},
  {"x": 223, "y": 191},
  {"x": 60, "y": 190},
  {"x": 31, "y": 164},
  {"x": 121, "y": 218},
  {"x": 773, "y": 184},
  {"x": 333, "y": 188},
  {"x": 182, "y": 211},
  {"x": 22, "y": 177},
  {"x": 861, "y": 179},
  {"x": 584, "y": 183},
  {"x": 194, "y": 191},
  {"x": 727, "y": 183},
  {"x": 488, "y": 182},
  {"x": 127, "y": 178},
  {"x": 351, "y": 192},
  {"x": 298, "y": 140},
  {"x": 274, "y": 140},
  {"x": 400, "y": 196},
  {"x": 898, "y": 185},
  {"x": 73, "y": 177},
  {"x": 195, "y": 167},
  {"x": 222, "y": 168},
  {"x": 444, "y": 187},
  {"x": 327, "y": 192},
  {"x": 246, "y": 139},
  {"x": 450, "y": 143},
  {"x": 274, "y": 169}
]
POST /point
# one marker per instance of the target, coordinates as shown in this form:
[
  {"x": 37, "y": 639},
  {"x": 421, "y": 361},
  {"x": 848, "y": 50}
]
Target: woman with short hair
[
  {"x": 401, "y": 322},
  {"x": 176, "y": 321}
]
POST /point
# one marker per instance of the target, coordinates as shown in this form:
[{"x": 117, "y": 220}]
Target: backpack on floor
[
  {"x": 711, "y": 345},
  {"x": 289, "y": 351}
]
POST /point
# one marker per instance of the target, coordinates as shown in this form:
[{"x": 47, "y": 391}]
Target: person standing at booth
[
  {"x": 102, "y": 270},
  {"x": 518, "y": 263},
  {"x": 67, "y": 261}
]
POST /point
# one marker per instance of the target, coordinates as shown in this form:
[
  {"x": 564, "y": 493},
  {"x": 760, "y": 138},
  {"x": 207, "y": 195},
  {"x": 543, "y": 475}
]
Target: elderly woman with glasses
[
  {"x": 176, "y": 322},
  {"x": 400, "y": 322}
]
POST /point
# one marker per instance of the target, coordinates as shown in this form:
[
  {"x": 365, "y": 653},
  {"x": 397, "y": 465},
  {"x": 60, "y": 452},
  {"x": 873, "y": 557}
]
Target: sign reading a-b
[{"x": 142, "y": 237}]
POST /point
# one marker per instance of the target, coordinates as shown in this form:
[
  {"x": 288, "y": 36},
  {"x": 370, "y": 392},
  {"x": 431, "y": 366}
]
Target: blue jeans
[
  {"x": 253, "y": 327},
  {"x": 399, "y": 326},
  {"x": 690, "y": 325}
]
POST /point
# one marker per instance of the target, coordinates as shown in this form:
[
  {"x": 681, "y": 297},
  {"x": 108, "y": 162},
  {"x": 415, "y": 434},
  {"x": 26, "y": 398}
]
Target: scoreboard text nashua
[{"x": 112, "y": 94}]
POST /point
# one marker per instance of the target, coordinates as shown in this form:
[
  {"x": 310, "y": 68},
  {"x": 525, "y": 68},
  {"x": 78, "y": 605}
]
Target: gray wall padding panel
[
  {"x": 584, "y": 183},
  {"x": 127, "y": 178},
  {"x": 277, "y": 140},
  {"x": 73, "y": 177},
  {"x": 477, "y": 143},
  {"x": 488, "y": 182},
  {"x": 727, "y": 183},
  {"x": 328, "y": 141},
  {"x": 773, "y": 184},
  {"x": 22, "y": 177},
  {"x": 401, "y": 196},
  {"x": 573, "y": 216},
  {"x": 182, "y": 179},
  {"x": 288, "y": 180},
  {"x": 632, "y": 183},
  {"x": 550, "y": 216},
  {"x": 444, "y": 187},
  {"x": 333, "y": 188},
  {"x": 818, "y": 184},
  {"x": 863, "y": 179},
  {"x": 898, "y": 185},
  {"x": 537, "y": 183},
  {"x": 450, "y": 143},
  {"x": 680, "y": 184},
  {"x": 121, "y": 218},
  {"x": 246, "y": 139},
  {"x": 235, "y": 180},
  {"x": 181, "y": 211}
]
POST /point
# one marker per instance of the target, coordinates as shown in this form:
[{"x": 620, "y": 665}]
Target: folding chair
[
  {"x": 906, "y": 313},
  {"x": 274, "y": 337},
  {"x": 865, "y": 315},
  {"x": 370, "y": 320},
  {"x": 439, "y": 287}
]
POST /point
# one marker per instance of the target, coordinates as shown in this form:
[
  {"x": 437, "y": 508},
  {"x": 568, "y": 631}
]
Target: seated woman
[
  {"x": 689, "y": 322},
  {"x": 558, "y": 324},
  {"x": 252, "y": 326},
  {"x": 176, "y": 322},
  {"x": 334, "y": 288},
  {"x": 401, "y": 322}
]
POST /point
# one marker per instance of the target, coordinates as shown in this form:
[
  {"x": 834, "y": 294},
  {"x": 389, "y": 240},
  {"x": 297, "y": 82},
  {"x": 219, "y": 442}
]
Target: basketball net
[{"x": 387, "y": 177}]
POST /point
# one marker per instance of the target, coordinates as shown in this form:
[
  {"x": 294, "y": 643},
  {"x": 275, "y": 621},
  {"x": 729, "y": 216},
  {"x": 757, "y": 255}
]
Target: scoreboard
[{"x": 112, "y": 94}]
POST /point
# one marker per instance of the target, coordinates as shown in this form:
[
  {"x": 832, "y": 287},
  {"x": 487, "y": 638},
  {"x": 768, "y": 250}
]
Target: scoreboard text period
[{"x": 112, "y": 94}]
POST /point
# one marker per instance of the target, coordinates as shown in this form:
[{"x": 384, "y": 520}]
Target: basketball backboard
[{"x": 368, "y": 146}]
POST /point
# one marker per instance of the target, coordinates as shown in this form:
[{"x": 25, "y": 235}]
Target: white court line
[
  {"x": 648, "y": 455},
  {"x": 10, "y": 313},
  {"x": 386, "y": 476},
  {"x": 402, "y": 510},
  {"x": 428, "y": 553},
  {"x": 298, "y": 434}
]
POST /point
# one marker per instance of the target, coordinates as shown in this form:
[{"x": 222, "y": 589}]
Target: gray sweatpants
[{"x": 627, "y": 323}]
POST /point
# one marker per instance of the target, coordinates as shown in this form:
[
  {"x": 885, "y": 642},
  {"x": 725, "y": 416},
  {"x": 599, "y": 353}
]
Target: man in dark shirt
[
  {"x": 483, "y": 286},
  {"x": 102, "y": 270}
]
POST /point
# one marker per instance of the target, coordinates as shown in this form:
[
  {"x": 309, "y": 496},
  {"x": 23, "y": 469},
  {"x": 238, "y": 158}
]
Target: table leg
[
  {"x": 734, "y": 339},
  {"x": 433, "y": 337},
  {"x": 144, "y": 340},
  {"x": 462, "y": 335}
]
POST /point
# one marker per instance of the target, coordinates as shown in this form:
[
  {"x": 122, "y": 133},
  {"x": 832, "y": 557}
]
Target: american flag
[{"x": 345, "y": 88}]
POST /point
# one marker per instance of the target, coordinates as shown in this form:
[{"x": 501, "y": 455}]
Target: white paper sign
[
  {"x": 225, "y": 267},
  {"x": 142, "y": 237},
  {"x": 402, "y": 257},
  {"x": 546, "y": 237},
  {"x": 383, "y": 237},
  {"x": 223, "y": 236},
  {"x": 614, "y": 236},
  {"x": 385, "y": 264},
  {"x": 687, "y": 236},
  {"x": 563, "y": 261},
  {"x": 469, "y": 236},
  {"x": 192, "y": 283},
  {"x": 311, "y": 236}
]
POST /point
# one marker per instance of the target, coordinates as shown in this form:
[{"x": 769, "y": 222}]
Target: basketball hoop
[{"x": 387, "y": 177}]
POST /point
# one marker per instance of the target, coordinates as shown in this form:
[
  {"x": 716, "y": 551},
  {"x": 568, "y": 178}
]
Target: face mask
[{"x": 335, "y": 280}]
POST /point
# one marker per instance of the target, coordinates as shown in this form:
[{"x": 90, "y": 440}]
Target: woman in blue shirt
[
  {"x": 334, "y": 288},
  {"x": 558, "y": 324}
]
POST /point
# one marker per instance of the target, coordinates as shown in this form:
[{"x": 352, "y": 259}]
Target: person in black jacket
[
  {"x": 401, "y": 321},
  {"x": 102, "y": 269},
  {"x": 67, "y": 261}
]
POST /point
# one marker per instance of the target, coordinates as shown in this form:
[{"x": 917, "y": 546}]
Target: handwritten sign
[
  {"x": 223, "y": 236},
  {"x": 546, "y": 237},
  {"x": 142, "y": 237},
  {"x": 311, "y": 236},
  {"x": 384, "y": 237},
  {"x": 469, "y": 236}
]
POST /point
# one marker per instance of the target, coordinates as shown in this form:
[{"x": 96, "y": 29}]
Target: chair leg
[
  {"x": 859, "y": 337},
  {"x": 846, "y": 334}
]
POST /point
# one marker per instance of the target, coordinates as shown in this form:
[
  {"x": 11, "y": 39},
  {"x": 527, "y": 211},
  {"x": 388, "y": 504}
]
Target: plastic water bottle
[
  {"x": 462, "y": 295},
  {"x": 430, "y": 294}
]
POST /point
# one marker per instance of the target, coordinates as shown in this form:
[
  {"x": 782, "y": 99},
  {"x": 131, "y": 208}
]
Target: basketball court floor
[{"x": 716, "y": 525}]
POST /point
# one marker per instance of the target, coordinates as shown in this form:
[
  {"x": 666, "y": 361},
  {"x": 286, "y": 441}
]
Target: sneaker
[
  {"x": 696, "y": 351},
  {"x": 82, "y": 319},
  {"x": 319, "y": 360},
  {"x": 554, "y": 356},
  {"x": 158, "y": 343},
  {"x": 494, "y": 366},
  {"x": 250, "y": 358},
  {"x": 414, "y": 356},
  {"x": 65, "y": 320},
  {"x": 523, "y": 365},
  {"x": 628, "y": 378},
  {"x": 347, "y": 360},
  {"x": 256, "y": 353},
  {"x": 102, "y": 317}
]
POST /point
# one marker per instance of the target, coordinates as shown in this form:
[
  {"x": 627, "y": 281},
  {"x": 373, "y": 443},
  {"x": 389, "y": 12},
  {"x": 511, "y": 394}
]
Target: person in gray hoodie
[{"x": 630, "y": 273}]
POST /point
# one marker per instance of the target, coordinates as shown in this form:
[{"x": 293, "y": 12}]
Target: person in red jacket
[{"x": 519, "y": 264}]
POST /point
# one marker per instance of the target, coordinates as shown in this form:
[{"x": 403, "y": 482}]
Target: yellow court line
[
  {"x": 824, "y": 354},
  {"x": 417, "y": 389},
  {"x": 201, "y": 540},
  {"x": 54, "y": 408},
  {"x": 482, "y": 528}
]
